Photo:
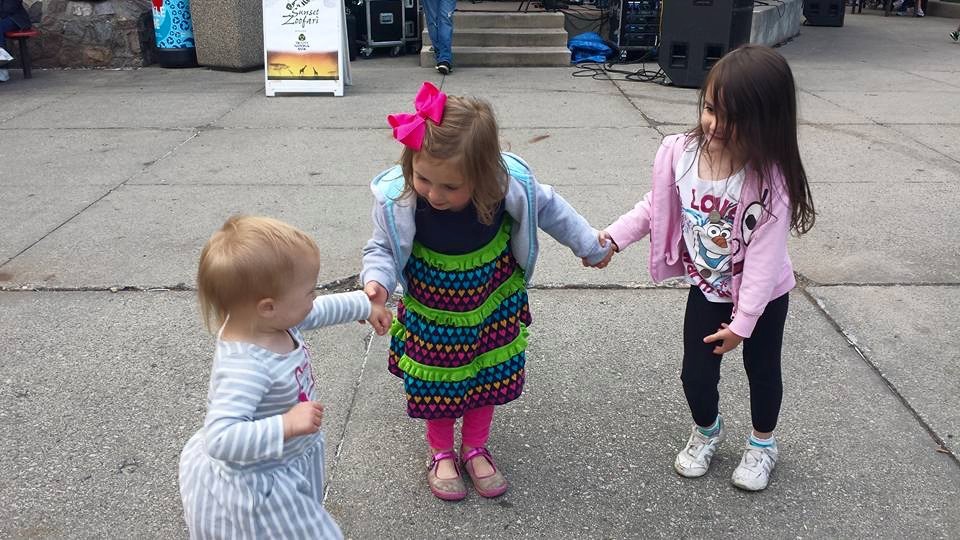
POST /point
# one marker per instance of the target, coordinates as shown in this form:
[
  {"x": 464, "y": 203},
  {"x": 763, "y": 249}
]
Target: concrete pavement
[{"x": 112, "y": 180}]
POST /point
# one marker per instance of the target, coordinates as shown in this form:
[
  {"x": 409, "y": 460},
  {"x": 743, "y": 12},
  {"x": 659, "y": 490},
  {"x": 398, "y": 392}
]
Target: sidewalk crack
[
  {"x": 147, "y": 166},
  {"x": 651, "y": 122},
  {"x": 331, "y": 470},
  {"x": 944, "y": 448}
]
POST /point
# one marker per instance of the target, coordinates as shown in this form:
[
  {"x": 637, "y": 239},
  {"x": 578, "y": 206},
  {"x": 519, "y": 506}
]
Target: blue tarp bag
[{"x": 588, "y": 47}]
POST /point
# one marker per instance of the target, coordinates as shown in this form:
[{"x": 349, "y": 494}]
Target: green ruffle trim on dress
[
  {"x": 467, "y": 261},
  {"x": 445, "y": 374},
  {"x": 398, "y": 330},
  {"x": 508, "y": 288}
]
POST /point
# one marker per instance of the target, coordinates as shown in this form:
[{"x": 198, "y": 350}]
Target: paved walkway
[{"x": 112, "y": 180}]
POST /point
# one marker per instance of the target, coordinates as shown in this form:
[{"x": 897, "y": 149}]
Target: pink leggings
[{"x": 475, "y": 429}]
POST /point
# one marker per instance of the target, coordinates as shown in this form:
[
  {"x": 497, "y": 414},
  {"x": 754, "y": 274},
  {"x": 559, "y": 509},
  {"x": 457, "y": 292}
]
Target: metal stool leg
[{"x": 25, "y": 58}]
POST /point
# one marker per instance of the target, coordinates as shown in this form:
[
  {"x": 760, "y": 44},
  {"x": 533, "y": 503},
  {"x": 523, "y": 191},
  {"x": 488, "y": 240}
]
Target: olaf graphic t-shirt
[{"x": 709, "y": 207}]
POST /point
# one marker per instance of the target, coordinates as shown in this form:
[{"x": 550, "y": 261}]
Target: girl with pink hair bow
[{"x": 455, "y": 225}]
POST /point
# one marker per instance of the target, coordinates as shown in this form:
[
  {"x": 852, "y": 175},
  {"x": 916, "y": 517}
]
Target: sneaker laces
[
  {"x": 696, "y": 443},
  {"x": 755, "y": 458}
]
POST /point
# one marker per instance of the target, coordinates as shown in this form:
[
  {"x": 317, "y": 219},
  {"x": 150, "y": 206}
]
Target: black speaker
[
  {"x": 696, "y": 33},
  {"x": 823, "y": 12}
]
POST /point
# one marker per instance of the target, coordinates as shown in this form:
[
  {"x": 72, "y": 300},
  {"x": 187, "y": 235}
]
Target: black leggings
[{"x": 761, "y": 359}]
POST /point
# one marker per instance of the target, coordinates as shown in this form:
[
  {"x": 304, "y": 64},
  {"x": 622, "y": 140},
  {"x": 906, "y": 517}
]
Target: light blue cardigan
[{"x": 529, "y": 203}]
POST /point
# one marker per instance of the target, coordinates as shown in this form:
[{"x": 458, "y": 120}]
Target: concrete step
[
  {"x": 506, "y": 37},
  {"x": 501, "y": 56},
  {"x": 468, "y": 19}
]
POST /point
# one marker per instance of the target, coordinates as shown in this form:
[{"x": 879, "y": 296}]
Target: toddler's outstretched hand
[
  {"x": 604, "y": 238},
  {"x": 729, "y": 340},
  {"x": 380, "y": 318},
  {"x": 302, "y": 419}
]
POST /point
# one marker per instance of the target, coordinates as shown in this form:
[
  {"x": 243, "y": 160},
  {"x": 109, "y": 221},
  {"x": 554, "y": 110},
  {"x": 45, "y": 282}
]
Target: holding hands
[
  {"x": 604, "y": 238},
  {"x": 380, "y": 316},
  {"x": 728, "y": 340}
]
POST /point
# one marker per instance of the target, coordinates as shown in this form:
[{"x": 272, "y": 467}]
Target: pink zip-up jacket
[{"x": 761, "y": 266}]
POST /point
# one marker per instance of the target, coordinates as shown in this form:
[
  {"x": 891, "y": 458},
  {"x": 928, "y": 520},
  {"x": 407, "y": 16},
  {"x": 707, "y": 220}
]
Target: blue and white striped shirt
[{"x": 242, "y": 436}]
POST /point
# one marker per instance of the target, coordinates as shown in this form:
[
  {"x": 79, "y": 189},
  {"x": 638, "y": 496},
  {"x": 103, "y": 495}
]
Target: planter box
[{"x": 228, "y": 33}]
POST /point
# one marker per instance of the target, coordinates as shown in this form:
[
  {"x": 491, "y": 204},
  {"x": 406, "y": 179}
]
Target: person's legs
[
  {"x": 701, "y": 367},
  {"x": 443, "y": 473},
  {"x": 701, "y": 375},
  {"x": 440, "y": 433},
  {"x": 431, "y": 9},
  {"x": 761, "y": 359},
  {"x": 488, "y": 481},
  {"x": 443, "y": 42},
  {"x": 6, "y": 25},
  {"x": 440, "y": 439},
  {"x": 476, "y": 426},
  {"x": 476, "y": 431}
]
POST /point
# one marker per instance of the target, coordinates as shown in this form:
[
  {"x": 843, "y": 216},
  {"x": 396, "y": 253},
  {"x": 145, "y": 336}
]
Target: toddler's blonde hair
[{"x": 248, "y": 259}]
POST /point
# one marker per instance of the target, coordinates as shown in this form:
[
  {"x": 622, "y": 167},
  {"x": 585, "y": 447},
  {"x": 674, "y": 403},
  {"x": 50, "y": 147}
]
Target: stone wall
[{"x": 101, "y": 33}]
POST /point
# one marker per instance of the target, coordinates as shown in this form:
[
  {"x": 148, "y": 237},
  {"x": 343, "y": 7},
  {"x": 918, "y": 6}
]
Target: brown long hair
[
  {"x": 468, "y": 135},
  {"x": 755, "y": 100}
]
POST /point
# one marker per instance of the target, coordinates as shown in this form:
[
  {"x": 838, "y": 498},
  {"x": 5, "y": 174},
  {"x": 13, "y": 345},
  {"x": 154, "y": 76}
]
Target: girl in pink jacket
[{"x": 725, "y": 197}]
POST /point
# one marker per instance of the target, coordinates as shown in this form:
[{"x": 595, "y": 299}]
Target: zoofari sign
[{"x": 305, "y": 47}]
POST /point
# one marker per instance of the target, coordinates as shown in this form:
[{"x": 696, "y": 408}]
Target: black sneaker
[{"x": 444, "y": 68}]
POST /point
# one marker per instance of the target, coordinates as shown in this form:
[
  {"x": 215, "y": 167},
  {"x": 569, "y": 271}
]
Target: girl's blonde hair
[
  {"x": 248, "y": 259},
  {"x": 468, "y": 135}
]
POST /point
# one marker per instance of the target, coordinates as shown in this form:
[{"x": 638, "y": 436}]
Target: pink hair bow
[{"x": 409, "y": 129}]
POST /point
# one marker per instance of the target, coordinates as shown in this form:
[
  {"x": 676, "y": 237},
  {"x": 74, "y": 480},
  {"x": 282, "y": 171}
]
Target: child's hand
[
  {"x": 730, "y": 341},
  {"x": 603, "y": 238},
  {"x": 378, "y": 296},
  {"x": 380, "y": 318},
  {"x": 302, "y": 419},
  {"x": 376, "y": 292}
]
